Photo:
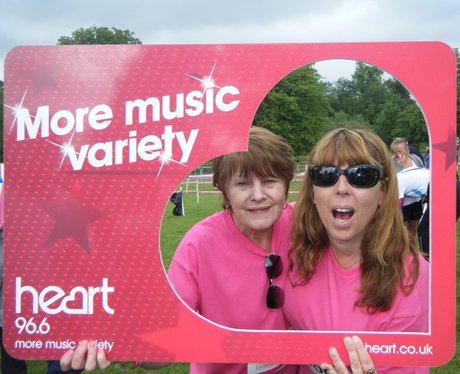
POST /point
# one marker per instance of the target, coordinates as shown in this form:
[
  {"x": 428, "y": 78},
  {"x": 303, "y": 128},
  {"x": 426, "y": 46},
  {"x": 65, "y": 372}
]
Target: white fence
[{"x": 200, "y": 181}]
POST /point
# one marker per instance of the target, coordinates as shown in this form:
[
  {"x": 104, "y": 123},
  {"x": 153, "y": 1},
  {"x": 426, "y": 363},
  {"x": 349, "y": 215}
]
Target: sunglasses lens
[
  {"x": 363, "y": 176},
  {"x": 273, "y": 266},
  {"x": 275, "y": 297},
  {"x": 324, "y": 176}
]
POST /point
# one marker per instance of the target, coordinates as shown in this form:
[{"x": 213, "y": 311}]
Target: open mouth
[{"x": 343, "y": 214}]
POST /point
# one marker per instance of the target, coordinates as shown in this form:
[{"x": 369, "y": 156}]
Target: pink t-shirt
[
  {"x": 327, "y": 303},
  {"x": 220, "y": 273}
]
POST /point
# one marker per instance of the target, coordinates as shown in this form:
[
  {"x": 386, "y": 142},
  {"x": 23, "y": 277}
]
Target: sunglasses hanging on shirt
[{"x": 274, "y": 268}]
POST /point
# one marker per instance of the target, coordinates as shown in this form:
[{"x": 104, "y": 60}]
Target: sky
[{"x": 32, "y": 22}]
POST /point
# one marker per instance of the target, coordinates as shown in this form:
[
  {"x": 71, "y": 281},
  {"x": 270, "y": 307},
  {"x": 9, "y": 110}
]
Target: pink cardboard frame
[{"x": 82, "y": 223}]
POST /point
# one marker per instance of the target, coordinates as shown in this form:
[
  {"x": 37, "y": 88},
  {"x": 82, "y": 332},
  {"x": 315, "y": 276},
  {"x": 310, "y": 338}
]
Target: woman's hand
[
  {"x": 360, "y": 360},
  {"x": 86, "y": 356}
]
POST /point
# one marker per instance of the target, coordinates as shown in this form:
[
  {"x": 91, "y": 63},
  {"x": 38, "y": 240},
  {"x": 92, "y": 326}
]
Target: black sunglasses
[
  {"x": 274, "y": 268},
  {"x": 360, "y": 176}
]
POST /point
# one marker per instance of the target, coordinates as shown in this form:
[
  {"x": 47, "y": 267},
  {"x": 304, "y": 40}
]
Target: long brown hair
[{"x": 385, "y": 246}]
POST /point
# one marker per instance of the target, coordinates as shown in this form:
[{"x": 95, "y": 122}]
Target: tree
[
  {"x": 363, "y": 95},
  {"x": 296, "y": 108},
  {"x": 369, "y": 90},
  {"x": 342, "y": 96},
  {"x": 99, "y": 35},
  {"x": 384, "y": 105}
]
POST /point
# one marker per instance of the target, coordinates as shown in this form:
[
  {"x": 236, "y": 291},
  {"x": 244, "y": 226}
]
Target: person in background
[
  {"x": 423, "y": 229},
  {"x": 457, "y": 149},
  {"x": 427, "y": 157},
  {"x": 54, "y": 367},
  {"x": 412, "y": 184},
  {"x": 352, "y": 265},
  {"x": 9, "y": 364},
  {"x": 416, "y": 155},
  {"x": 401, "y": 150}
]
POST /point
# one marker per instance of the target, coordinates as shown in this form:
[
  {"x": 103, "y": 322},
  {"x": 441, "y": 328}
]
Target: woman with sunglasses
[
  {"x": 352, "y": 266},
  {"x": 229, "y": 266}
]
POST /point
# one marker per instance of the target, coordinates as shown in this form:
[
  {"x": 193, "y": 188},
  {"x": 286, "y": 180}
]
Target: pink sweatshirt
[
  {"x": 327, "y": 303},
  {"x": 220, "y": 273}
]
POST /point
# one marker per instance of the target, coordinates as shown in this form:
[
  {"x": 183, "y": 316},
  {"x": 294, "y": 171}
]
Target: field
[{"x": 172, "y": 231}]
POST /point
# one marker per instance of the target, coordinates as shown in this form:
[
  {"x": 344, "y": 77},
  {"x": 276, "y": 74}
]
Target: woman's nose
[
  {"x": 342, "y": 185},
  {"x": 258, "y": 191}
]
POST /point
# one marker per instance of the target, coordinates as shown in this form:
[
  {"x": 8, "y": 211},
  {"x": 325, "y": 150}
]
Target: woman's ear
[{"x": 382, "y": 195}]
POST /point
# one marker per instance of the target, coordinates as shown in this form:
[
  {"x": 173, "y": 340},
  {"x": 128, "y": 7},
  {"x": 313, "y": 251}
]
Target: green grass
[
  {"x": 454, "y": 365},
  {"x": 39, "y": 367},
  {"x": 173, "y": 229}
]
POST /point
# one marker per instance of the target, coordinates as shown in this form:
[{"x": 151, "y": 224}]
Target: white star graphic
[
  {"x": 15, "y": 109},
  {"x": 207, "y": 82},
  {"x": 165, "y": 160},
  {"x": 65, "y": 147}
]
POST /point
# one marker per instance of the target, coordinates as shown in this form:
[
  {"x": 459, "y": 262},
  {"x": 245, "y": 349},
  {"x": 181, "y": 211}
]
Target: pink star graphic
[
  {"x": 43, "y": 76},
  {"x": 188, "y": 329},
  {"x": 72, "y": 220},
  {"x": 448, "y": 147}
]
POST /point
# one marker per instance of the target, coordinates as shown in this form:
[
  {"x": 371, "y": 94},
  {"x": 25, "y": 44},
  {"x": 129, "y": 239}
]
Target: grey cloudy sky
[{"x": 32, "y": 22}]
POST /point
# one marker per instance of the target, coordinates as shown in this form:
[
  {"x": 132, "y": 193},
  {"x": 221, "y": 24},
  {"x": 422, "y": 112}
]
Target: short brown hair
[{"x": 268, "y": 154}]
